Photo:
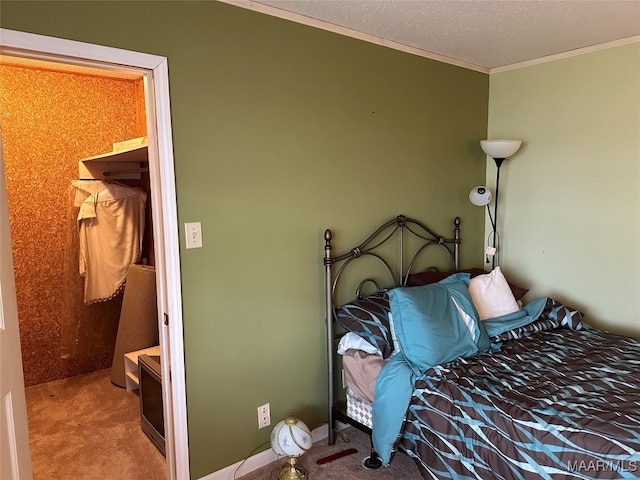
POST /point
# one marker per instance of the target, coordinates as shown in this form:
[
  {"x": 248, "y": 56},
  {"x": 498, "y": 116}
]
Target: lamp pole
[
  {"x": 495, "y": 210},
  {"x": 499, "y": 150}
]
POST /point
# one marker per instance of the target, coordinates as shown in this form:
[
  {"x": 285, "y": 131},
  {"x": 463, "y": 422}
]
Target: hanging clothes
[{"x": 111, "y": 226}]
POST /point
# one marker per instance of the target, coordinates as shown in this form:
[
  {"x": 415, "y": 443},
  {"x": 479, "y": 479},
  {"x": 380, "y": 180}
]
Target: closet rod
[{"x": 122, "y": 172}]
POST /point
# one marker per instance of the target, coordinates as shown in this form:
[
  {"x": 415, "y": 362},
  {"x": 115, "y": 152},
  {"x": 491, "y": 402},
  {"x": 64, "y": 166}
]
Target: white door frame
[{"x": 163, "y": 197}]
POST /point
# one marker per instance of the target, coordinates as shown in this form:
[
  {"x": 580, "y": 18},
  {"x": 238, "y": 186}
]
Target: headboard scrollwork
[{"x": 398, "y": 271}]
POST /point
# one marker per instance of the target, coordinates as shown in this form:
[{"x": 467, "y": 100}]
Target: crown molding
[
  {"x": 330, "y": 27},
  {"x": 568, "y": 54}
]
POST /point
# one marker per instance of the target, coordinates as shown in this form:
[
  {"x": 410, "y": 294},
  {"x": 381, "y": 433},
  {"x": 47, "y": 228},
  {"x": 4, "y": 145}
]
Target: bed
[{"x": 452, "y": 368}]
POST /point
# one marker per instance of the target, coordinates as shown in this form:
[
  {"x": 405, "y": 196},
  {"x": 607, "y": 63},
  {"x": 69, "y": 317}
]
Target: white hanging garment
[{"x": 111, "y": 225}]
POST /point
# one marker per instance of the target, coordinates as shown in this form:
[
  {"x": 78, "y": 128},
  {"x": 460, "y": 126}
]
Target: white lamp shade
[
  {"x": 500, "y": 148},
  {"x": 480, "y": 196},
  {"x": 291, "y": 437}
]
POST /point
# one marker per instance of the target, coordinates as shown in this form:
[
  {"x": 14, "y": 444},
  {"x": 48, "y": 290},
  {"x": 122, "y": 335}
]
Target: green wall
[
  {"x": 280, "y": 131},
  {"x": 571, "y": 221}
]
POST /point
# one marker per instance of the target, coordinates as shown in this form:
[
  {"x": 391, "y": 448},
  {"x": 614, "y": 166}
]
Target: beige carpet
[
  {"x": 346, "y": 468},
  {"x": 86, "y": 428}
]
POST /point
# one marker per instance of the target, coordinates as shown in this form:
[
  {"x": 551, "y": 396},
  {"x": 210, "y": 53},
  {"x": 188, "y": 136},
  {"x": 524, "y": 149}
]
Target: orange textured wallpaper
[{"x": 50, "y": 120}]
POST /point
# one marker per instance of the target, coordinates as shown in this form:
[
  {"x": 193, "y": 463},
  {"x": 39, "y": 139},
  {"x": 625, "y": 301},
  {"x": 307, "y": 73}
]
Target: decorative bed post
[{"x": 329, "y": 306}]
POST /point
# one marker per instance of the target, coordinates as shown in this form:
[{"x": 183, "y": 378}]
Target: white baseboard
[
  {"x": 238, "y": 469},
  {"x": 261, "y": 459}
]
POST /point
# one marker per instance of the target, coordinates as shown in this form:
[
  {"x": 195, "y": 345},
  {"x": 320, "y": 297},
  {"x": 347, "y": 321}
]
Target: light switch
[{"x": 193, "y": 234}]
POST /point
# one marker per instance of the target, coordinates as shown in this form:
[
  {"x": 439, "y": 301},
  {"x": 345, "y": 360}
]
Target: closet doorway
[{"x": 153, "y": 71}]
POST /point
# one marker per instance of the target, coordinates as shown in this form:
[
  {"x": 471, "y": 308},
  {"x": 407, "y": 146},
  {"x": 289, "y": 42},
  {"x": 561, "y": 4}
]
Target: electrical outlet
[
  {"x": 193, "y": 235},
  {"x": 264, "y": 416}
]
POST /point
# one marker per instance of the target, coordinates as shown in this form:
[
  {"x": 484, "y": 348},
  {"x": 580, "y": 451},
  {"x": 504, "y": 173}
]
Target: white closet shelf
[
  {"x": 137, "y": 154},
  {"x": 132, "y": 381},
  {"x": 118, "y": 164}
]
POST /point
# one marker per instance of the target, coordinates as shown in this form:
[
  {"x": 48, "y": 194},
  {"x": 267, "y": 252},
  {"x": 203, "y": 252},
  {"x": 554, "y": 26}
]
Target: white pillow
[
  {"x": 394, "y": 337},
  {"x": 467, "y": 319},
  {"x": 356, "y": 342},
  {"x": 491, "y": 295}
]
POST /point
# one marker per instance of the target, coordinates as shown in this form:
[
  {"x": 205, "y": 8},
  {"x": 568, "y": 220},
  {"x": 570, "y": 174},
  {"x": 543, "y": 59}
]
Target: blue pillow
[
  {"x": 429, "y": 322},
  {"x": 504, "y": 323}
]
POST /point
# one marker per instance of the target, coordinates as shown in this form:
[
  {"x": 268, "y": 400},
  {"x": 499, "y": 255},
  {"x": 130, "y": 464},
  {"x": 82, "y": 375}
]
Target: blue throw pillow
[{"x": 437, "y": 323}]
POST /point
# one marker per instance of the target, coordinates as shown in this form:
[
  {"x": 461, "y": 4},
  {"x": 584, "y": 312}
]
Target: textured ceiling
[{"x": 479, "y": 34}]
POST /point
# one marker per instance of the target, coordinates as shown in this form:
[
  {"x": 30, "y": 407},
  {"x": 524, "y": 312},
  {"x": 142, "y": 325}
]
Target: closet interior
[{"x": 78, "y": 191}]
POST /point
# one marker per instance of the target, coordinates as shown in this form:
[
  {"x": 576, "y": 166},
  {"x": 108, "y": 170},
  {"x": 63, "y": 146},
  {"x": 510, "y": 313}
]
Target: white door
[{"x": 15, "y": 460}]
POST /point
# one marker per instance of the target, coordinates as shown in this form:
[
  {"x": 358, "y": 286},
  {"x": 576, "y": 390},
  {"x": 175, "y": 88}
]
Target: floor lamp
[{"x": 499, "y": 150}]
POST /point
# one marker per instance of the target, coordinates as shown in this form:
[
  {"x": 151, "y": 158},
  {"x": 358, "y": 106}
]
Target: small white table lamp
[{"x": 291, "y": 437}]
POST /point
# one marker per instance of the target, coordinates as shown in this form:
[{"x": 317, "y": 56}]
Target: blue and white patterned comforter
[{"x": 551, "y": 403}]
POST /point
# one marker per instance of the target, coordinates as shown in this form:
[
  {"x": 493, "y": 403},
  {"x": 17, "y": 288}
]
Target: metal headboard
[{"x": 400, "y": 228}]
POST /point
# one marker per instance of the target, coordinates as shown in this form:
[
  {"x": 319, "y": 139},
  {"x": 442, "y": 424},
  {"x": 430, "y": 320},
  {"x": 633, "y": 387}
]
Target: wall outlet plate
[{"x": 264, "y": 416}]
